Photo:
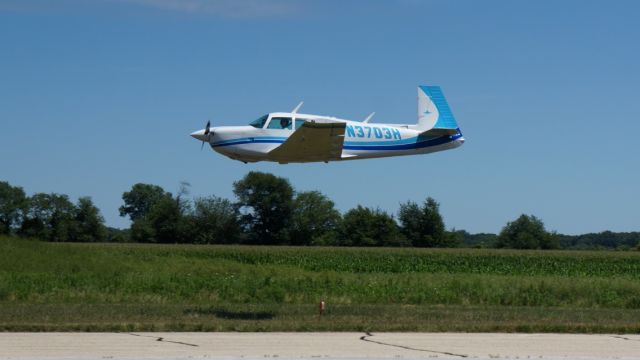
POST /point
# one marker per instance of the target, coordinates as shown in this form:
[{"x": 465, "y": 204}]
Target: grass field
[{"x": 127, "y": 287}]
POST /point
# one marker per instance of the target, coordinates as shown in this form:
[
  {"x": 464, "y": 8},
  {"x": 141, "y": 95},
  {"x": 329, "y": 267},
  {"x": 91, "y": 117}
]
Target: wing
[{"x": 315, "y": 140}]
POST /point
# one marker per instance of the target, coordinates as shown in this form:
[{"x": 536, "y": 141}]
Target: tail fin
[{"x": 433, "y": 111}]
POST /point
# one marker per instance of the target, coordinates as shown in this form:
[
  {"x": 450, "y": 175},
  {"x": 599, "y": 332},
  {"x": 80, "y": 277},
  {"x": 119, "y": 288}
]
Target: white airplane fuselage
[
  {"x": 361, "y": 140},
  {"x": 322, "y": 138}
]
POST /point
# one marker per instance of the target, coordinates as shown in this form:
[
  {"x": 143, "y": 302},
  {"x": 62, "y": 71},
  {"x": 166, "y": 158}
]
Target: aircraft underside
[{"x": 255, "y": 152}]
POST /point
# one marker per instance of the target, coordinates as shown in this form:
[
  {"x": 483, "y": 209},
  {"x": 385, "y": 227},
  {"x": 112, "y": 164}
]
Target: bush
[
  {"x": 526, "y": 232},
  {"x": 366, "y": 227}
]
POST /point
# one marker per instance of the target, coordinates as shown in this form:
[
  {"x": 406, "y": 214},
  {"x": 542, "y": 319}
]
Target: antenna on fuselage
[
  {"x": 369, "y": 117},
  {"x": 295, "y": 110}
]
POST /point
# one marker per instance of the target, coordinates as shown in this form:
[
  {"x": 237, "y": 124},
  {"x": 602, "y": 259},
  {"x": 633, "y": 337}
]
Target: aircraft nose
[{"x": 199, "y": 135}]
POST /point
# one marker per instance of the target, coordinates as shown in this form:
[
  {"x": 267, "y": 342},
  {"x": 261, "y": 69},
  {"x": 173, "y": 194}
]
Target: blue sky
[{"x": 98, "y": 95}]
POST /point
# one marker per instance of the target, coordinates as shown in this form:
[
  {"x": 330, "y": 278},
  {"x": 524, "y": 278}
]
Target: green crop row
[
  {"x": 277, "y": 286},
  {"x": 32, "y": 255},
  {"x": 37, "y": 272}
]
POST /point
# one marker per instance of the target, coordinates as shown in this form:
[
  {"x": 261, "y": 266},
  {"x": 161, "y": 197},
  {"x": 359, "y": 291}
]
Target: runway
[{"x": 315, "y": 345}]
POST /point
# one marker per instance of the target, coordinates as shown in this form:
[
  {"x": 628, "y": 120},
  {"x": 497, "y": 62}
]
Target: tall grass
[{"x": 38, "y": 274}]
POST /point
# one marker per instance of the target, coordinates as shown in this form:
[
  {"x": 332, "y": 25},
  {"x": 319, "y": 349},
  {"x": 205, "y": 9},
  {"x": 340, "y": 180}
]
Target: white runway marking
[{"x": 249, "y": 346}]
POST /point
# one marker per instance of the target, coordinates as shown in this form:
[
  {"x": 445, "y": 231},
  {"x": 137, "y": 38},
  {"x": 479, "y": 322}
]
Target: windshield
[{"x": 259, "y": 123}]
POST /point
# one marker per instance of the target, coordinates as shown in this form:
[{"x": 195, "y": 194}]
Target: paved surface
[{"x": 314, "y": 345}]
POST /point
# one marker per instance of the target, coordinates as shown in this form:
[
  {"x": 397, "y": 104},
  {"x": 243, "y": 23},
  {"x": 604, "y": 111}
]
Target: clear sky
[{"x": 98, "y": 95}]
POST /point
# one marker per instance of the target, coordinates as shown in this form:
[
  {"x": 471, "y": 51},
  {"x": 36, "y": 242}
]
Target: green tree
[
  {"x": 89, "y": 224},
  {"x": 141, "y": 231},
  {"x": 215, "y": 221},
  {"x": 166, "y": 218},
  {"x": 526, "y": 232},
  {"x": 118, "y": 235},
  {"x": 265, "y": 202},
  {"x": 314, "y": 215},
  {"x": 480, "y": 240},
  {"x": 155, "y": 214},
  {"x": 423, "y": 226},
  {"x": 49, "y": 217},
  {"x": 12, "y": 205},
  {"x": 140, "y": 199},
  {"x": 363, "y": 226},
  {"x": 454, "y": 238}
]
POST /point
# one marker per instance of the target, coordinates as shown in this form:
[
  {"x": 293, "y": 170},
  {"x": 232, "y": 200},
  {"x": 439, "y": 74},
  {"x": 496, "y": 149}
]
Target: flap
[{"x": 315, "y": 140}]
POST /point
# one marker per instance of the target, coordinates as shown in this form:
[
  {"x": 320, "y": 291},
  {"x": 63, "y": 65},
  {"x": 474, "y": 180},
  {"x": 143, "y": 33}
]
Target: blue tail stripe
[{"x": 446, "y": 119}]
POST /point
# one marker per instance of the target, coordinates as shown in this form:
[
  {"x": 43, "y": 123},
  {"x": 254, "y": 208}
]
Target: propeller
[{"x": 207, "y": 133}]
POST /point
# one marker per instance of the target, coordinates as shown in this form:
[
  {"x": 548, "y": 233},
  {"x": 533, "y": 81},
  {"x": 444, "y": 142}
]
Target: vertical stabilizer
[{"x": 433, "y": 110}]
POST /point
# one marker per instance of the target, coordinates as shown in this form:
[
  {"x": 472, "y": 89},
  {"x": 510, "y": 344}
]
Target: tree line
[
  {"x": 51, "y": 217},
  {"x": 267, "y": 211}
]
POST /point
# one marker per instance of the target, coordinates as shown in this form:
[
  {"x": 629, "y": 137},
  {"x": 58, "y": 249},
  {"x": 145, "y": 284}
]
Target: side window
[
  {"x": 280, "y": 123},
  {"x": 299, "y": 123}
]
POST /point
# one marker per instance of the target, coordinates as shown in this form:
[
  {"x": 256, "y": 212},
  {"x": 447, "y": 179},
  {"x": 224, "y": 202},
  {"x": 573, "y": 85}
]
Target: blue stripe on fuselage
[
  {"x": 406, "y": 144},
  {"x": 415, "y": 145},
  {"x": 412, "y": 140},
  {"x": 250, "y": 140}
]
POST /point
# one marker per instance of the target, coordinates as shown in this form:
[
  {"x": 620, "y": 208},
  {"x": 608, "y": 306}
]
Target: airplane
[{"x": 292, "y": 137}]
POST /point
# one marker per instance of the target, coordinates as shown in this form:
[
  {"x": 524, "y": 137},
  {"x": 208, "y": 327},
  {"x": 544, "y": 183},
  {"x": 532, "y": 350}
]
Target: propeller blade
[{"x": 207, "y": 133}]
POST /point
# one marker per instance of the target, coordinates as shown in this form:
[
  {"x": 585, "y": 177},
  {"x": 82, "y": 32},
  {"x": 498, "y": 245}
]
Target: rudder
[{"x": 433, "y": 110}]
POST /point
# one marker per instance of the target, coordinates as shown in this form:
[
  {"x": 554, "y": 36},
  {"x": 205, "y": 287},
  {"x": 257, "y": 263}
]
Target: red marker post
[{"x": 321, "y": 308}]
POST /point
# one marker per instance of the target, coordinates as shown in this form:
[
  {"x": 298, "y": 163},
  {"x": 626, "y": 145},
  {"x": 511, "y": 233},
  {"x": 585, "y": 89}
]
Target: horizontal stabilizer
[{"x": 439, "y": 132}]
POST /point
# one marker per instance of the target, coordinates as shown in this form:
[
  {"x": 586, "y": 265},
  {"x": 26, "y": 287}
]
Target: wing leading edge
[{"x": 315, "y": 140}]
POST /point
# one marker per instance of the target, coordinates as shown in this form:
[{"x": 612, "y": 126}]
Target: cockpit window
[
  {"x": 259, "y": 123},
  {"x": 280, "y": 123}
]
